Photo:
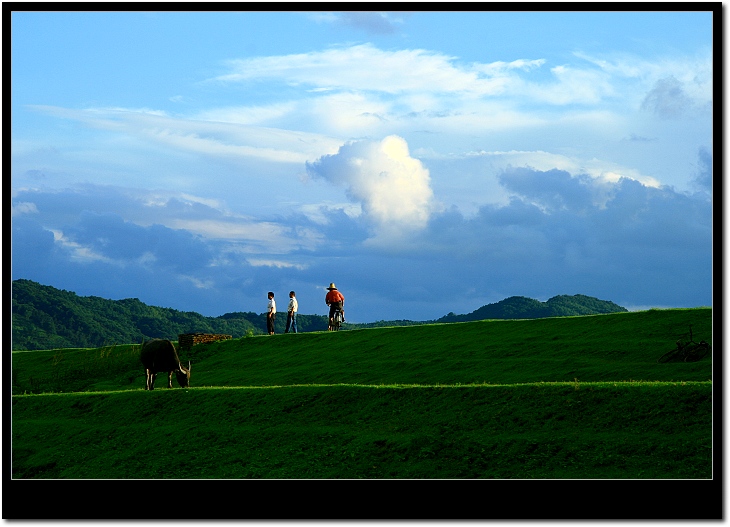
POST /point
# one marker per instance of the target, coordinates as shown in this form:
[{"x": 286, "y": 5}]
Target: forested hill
[
  {"x": 46, "y": 318},
  {"x": 523, "y": 307}
]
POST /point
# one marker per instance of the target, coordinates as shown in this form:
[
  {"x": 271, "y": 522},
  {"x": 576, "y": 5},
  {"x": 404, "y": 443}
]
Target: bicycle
[
  {"x": 686, "y": 351},
  {"x": 337, "y": 320}
]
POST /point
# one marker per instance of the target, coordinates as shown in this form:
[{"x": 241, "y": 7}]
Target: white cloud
[
  {"x": 147, "y": 259},
  {"x": 347, "y": 113},
  {"x": 500, "y": 67},
  {"x": 691, "y": 75},
  {"x": 222, "y": 137},
  {"x": 213, "y": 147},
  {"x": 248, "y": 115},
  {"x": 365, "y": 67},
  {"x": 228, "y": 230},
  {"x": 23, "y": 207},
  {"x": 279, "y": 264},
  {"x": 77, "y": 251},
  {"x": 573, "y": 86},
  {"x": 362, "y": 91},
  {"x": 253, "y": 237},
  {"x": 393, "y": 187},
  {"x": 320, "y": 213},
  {"x": 197, "y": 282}
]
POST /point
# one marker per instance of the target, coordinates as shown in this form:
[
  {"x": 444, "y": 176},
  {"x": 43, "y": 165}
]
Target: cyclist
[{"x": 336, "y": 301}]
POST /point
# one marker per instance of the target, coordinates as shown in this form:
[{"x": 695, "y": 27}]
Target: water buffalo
[{"x": 160, "y": 356}]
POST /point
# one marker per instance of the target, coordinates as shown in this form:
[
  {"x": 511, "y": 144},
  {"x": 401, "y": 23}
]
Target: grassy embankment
[{"x": 575, "y": 397}]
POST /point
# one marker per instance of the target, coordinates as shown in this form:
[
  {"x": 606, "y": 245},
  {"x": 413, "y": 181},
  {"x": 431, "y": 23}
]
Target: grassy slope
[
  {"x": 613, "y": 347},
  {"x": 594, "y": 427},
  {"x": 593, "y": 348},
  {"x": 522, "y": 431}
]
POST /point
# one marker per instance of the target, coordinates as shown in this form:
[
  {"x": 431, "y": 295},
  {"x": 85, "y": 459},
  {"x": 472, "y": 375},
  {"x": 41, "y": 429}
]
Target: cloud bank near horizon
[{"x": 559, "y": 233}]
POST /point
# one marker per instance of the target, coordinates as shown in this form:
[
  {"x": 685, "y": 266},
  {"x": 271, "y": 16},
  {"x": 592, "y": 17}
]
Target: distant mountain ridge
[
  {"x": 523, "y": 307},
  {"x": 46, "y": 318}
]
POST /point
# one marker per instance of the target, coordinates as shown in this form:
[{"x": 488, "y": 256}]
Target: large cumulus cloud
[{"x": 392, "y": 187}]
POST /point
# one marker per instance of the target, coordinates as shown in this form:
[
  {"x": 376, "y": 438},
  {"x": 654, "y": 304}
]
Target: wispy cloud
[
  {"x": 218, "y": 136},
  {"x": 257, "y": 262},
  {"x": 366, "y": 68},
  {"x": 364, "y": 91},
  {"x": 23, "y": 207},
  {"x": 665, "y": 84},
  {"x": 77, "y": 251}
]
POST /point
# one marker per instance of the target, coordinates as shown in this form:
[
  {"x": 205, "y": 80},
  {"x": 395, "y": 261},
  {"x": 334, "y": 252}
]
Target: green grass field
[{"x": 561, "y": 398}]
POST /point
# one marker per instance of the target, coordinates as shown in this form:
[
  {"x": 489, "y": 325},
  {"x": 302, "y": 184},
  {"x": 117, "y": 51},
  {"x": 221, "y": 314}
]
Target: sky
[{"x": 425, "y": 162}]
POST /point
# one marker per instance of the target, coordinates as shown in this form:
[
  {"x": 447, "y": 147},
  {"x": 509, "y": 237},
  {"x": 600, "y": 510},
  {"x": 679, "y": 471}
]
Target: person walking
[
  {"x": 271, "y": 314},
  {"x": 335, "y": 300},
  {"x": 291, "y": 313}
]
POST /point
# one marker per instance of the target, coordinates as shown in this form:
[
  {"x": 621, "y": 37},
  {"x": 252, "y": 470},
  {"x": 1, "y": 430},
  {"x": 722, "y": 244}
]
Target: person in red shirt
[{"x": 335, "y": 300}]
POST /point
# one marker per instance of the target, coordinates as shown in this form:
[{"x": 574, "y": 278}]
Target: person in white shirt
[
  {"x": 271, "y": 314},
  {"x": 291, "y": 313}
]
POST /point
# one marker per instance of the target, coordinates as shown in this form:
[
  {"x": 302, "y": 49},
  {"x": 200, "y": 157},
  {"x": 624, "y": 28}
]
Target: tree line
[
  {"x": 48, "y": 318},
  {"x": 523, "y": 307}
]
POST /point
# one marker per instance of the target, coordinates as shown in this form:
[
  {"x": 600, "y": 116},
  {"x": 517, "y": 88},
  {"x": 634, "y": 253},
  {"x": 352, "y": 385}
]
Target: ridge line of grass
[{"x": 575, "y": 384}]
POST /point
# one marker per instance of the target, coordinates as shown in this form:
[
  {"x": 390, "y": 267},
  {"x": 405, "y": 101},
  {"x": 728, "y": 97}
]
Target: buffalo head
[{"x": 183, "y": 376}]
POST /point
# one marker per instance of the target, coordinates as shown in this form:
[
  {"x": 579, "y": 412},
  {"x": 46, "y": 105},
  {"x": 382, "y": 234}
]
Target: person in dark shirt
[
  {"x": 271, "y": 313},
  {"x": 335, "y": 300}
]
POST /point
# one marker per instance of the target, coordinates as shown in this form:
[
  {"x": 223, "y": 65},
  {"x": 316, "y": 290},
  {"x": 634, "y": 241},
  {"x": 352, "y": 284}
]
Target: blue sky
[{"x": 425, "y": 162}]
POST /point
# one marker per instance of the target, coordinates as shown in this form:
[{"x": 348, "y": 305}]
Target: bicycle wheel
[
  {"x": 337, "y": 321},
  {"x": 668, "y": 356},
  {"x": 698, "y": 352}
]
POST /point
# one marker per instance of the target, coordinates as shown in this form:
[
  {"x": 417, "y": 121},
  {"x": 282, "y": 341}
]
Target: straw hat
[{"x": 331, "y": 287}]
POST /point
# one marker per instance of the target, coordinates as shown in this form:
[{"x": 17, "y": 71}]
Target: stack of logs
[{"x": 186, "y": 341}]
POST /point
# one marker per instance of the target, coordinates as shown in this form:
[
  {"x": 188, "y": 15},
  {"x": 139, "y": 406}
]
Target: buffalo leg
[{"x": 169, "y": 379}]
